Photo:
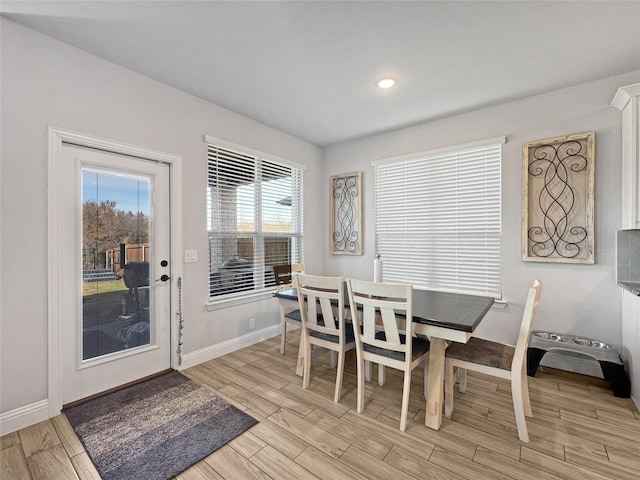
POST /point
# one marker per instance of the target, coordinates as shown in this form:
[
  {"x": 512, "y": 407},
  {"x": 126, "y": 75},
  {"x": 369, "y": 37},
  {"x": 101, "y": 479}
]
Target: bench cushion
[{"x": 483, "y": 352}]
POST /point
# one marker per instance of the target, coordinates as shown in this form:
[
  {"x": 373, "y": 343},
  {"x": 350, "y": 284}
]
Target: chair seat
[
  {"x": 484, "y": 352},
  {"x": 294, "y": 315},
  {"x": 348, "y": 334},
  {"x": 419, "y": 347},
  {"x": 297, "y": 316}
]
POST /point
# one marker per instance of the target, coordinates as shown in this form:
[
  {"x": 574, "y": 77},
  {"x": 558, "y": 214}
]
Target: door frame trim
[{"x": 58, "y": 136}]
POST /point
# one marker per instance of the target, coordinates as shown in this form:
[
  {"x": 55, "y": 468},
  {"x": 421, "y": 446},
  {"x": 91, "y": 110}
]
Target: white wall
[
  {"x": 576, "y": 299},
  {"x": 46, "y": 82}
]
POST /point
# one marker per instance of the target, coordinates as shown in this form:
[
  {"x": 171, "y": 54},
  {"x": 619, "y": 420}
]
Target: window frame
[
  {"x": 420, "y": 161},
  {"x": 258, "y": 235}
]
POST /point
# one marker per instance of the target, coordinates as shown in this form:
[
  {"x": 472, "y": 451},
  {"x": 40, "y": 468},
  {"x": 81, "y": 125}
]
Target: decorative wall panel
[
  {"x": 558, "y": 199},
  {"x": 346, "y": 214}
]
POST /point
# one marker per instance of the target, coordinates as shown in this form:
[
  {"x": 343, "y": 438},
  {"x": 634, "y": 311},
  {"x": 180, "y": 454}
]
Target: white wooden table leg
[{"x": 435, "y": 387}]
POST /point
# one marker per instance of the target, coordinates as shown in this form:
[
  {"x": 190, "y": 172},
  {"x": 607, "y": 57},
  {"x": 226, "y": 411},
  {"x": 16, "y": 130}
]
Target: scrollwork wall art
[
  {"x": 346, "y": 214},
  {"x": 558, "y": 199}
]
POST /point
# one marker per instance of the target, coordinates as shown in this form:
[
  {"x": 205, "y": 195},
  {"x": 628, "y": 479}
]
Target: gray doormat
[{"x": 156, "y": 429}]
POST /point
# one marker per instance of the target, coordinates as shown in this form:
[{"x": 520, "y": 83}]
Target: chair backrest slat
[
  {"x": 311, "y": 307},
  {"x": 327, "y": 312},
  {"x": 390, "y": 324},
  {"x": 530, "y": 308},
  {"x": 368, "y": 322}
]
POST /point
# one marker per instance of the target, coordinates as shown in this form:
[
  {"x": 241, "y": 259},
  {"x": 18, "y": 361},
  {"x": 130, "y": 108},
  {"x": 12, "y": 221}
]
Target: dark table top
[{"x": 444, "y": 309}]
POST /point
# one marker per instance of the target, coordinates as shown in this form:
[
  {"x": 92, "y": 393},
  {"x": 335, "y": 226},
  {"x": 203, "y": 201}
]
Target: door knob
[{"x": 164, "y": 278}]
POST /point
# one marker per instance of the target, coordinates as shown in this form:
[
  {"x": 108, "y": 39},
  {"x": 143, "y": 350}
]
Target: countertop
[{"x": 633, "y": 287}]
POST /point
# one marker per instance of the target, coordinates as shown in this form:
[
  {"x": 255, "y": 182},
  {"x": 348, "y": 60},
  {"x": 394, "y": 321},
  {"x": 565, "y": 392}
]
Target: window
[
  {"x": 254, "y": 209},
  {"x": 437, "y": 218}
]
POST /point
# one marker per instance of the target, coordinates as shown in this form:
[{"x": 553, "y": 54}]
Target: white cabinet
[{"x": 627, "y": 100}]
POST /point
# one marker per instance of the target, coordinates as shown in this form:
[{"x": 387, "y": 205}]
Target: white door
[{"x": 114, "y": 270}]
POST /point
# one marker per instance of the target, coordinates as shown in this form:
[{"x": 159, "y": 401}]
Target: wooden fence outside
[{"x": 135, "y": 252}]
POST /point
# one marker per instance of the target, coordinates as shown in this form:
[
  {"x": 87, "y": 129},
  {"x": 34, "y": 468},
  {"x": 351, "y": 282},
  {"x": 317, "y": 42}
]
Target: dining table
[{"x": 442, "y": 317}]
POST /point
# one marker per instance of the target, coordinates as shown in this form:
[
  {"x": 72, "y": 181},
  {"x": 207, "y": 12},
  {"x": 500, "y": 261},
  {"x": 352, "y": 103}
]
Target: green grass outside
[{"x": 92, "y": 288}]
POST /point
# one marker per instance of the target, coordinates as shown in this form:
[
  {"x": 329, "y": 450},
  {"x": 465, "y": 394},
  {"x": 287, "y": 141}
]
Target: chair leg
[
  {"x": 519, "y": 408},
  {"x": 332, "y": 358},
  {"x": 361, "y": 373},
  {"x": 283, "y": 331},
  {"x": 525, "y": 393},
  {"x": 307, "y": 365},
  {"x": 339, "y": 375},
  {"x": 462, "y": 380},
  {"x": 381, "y": 375},
  {"x": 448, "y": 389},
  {"x": 301, "y": 351},
  {"x": 405, "y": 400},
  {"x": 367, "y": 370}
]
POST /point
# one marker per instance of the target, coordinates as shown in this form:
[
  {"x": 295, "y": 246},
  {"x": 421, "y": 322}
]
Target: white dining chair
[
  {"x": 376, "y": 310},
  {"x": 321, "y": 302},
  {"x": 498, "y": 360},
  {"x": 283, "y": 275}
]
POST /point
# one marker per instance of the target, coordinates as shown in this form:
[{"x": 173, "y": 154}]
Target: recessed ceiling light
[{"x": 387, "y": 82}]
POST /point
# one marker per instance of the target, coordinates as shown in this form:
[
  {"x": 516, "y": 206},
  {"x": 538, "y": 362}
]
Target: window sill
[
  {"x": 500, "y": 304},
  {"x": 239, "y": 300}
]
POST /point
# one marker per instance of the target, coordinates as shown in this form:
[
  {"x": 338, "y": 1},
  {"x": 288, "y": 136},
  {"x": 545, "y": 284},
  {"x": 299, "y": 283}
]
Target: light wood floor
[{"x": 579, "y": 430}]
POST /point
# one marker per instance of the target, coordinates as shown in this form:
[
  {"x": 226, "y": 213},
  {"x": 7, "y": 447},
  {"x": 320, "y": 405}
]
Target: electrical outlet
[{"x": 252, "y": 323}]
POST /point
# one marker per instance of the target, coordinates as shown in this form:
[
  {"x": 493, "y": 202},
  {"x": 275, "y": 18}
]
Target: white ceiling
[{"x": 308, "y": 68}]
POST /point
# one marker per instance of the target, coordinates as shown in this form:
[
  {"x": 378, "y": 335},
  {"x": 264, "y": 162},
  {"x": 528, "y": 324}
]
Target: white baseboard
[
  {"x": 205, "y": 354},
  {"x": 24, "y": 416}
]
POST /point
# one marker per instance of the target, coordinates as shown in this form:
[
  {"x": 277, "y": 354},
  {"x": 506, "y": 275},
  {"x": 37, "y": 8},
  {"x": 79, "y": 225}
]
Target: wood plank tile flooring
[{"x": 579, "y": 430}]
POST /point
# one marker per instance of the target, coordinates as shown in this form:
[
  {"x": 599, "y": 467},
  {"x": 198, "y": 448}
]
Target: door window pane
[{"x": 115, "y": 262}]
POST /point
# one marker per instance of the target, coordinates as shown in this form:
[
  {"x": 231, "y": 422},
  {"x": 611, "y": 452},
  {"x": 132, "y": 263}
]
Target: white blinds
[
  {"x": 254, "y": 209},
  {"x": 437, "y": 219}
]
